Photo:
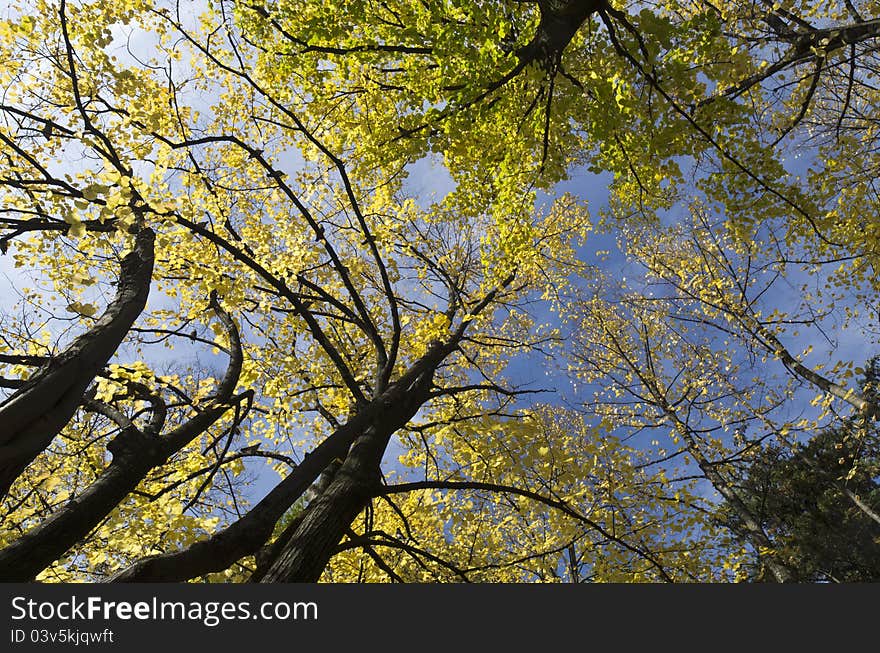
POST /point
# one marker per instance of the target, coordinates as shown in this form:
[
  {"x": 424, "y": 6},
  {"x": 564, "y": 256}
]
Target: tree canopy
[
  {"x": 815, "y": 501},
  {"x": 238, "y": 343}
]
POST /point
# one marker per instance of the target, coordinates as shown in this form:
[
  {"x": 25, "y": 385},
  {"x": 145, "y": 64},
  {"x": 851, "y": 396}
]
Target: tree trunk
[
  {"x": 135, "y": 455},
  {"x": 560, "y": 21},
  {"x": 304, "y": 557},
  {"x": 32, "y": 416},
  {"x": 245, "y": 536},
  {"x": 371, "y": 427}
]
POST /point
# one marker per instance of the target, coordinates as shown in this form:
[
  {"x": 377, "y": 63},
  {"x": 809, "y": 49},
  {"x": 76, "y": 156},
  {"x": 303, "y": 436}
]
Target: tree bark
[
  {"x": 27, "y": 556},
  {"x": 32, "y": 416},
  {"x": 135, "y": 454},
  {"x": 382, "y": 415},
  {"x": 305, "y": 555},
  {"x": 560, "y": 21}
]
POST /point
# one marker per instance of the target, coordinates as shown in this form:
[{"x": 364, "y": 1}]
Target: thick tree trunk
[
  {"x": 135, "y": 453},
  {"x": 270, "y": 552},
  {"x": 371, "y": 426},
  {"x": 32, "y": 416},
  {"x": 135, "y": 456},
  {"x": 245, "y": 536},
  {"x": 560, "y": 21},
  {"x": 305, "y": 555}
]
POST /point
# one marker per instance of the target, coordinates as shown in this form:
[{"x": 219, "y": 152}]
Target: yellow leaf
[{"x": 88, "y": 310}]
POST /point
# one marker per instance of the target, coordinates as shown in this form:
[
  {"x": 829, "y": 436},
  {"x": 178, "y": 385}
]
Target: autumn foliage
[{"x": 302, "y": 291}]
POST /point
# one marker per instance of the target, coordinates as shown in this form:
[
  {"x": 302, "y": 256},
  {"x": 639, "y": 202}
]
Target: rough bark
[
  {"x": 247, "y": 535},
  {"x": 33, "y": 415},
  {"x": 267, "y": 555},
  {"x": 135, "y": 454},
  {"x": 27, "y": 556},
  {"x": 560, "y": 21},
  {"x": 305, "y": 555}
]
